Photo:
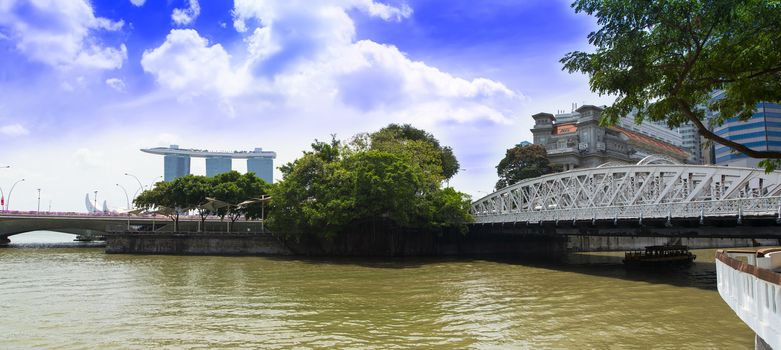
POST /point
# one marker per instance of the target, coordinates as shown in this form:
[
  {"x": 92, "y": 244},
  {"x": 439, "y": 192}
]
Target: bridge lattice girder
[{"x": 634, "y": 191}]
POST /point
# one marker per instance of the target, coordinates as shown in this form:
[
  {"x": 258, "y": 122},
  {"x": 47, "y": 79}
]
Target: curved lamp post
[
  {"x": 127, "y": 198},
  {"x": 154, "y": 181},
  {"x": 8, "y": 200},
  {"x": 140, "y": 186}
]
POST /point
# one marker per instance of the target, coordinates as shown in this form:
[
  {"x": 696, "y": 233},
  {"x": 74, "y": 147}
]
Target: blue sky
[{"x": 84, "y": 85}]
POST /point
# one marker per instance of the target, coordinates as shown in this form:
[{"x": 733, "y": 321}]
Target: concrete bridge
[
  {"x": 654, "y": 198},
  {"x": 96, "y": 225}
]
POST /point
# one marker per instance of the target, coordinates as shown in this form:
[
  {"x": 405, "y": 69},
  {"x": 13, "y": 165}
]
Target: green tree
[
  {"x": 524, "y": 162},
  {"x": 664, "y": 58},
  {"x": 234, "y": 188},
  {"x": 394, "y": 138},
  {"x": 386, "y": 180},
  {"x": 165, "y": 198}
]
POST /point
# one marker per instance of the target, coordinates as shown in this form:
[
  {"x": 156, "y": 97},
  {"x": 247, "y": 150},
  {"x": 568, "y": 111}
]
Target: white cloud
[
  {"x": 300, "y": 51},
  {"x": 116, "y": 84},
  {"x": 186, "y": 62},
  {"x": 14, "y": 130},
  {"x": 187, "y": 15},
  {"x": 58, "y": 33},
  {"x": 138, "y": 3}
]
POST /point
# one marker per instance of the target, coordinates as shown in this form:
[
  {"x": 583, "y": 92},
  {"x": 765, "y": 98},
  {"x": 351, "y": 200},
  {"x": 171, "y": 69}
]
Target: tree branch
[{"x": 718, "y": 139}]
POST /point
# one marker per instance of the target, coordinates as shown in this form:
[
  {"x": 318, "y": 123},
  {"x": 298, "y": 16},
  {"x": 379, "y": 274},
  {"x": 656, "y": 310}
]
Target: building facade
[
  {"x": 576, "y": 140},
  {"x": 218, "y": 165},
  {"x": 761, "y": 132},
  {"x": 176, "y": 161},
  {"x": 175, "y": 165}
]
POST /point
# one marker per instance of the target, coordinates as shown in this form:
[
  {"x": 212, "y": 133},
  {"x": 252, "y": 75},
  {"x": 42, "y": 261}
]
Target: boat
[{"x": 659, "y": 255}]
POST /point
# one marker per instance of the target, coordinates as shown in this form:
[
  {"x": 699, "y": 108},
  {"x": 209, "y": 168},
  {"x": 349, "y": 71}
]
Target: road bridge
[
  {"x": 84, "y": 224},
  {"x": 651, "y": 198}
]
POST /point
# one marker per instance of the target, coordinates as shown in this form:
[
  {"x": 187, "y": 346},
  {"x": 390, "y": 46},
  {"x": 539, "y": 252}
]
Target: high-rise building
[
  {"x": 218, "y": 165},
  {"x": 263, "y": 167},
  {"x": 177, "y": 161},
  {"x": 691, "y": 142},
  {"x": 761, "y": 132},
  {"x": 175, "y": 165}
]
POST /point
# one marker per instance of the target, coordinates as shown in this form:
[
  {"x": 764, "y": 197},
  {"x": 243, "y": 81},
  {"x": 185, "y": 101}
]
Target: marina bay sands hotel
[{"x": 177, "y": 161}]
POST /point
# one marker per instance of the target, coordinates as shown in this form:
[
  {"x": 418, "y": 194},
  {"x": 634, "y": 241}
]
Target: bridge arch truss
[{"x": 635, "y": 191}]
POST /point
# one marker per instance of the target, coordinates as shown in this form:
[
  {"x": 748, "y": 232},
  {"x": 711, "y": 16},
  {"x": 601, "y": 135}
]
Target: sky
[{"x": 85, "y": 84}]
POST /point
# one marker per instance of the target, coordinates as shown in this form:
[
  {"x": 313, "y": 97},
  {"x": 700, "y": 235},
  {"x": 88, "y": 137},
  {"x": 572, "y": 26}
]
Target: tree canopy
[
  {"x": 666, "y": 58},
  {"x": 524, "y": 162},
  {"x": 385, "y": 177},
  {"x": 191, "y": 192}
]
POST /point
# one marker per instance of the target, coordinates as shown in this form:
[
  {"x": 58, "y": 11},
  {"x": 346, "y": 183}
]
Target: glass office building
[
  {"x": 762, "y": 132},
  {"x": 262, "y": 167},
  {"x": 217, "y": 165},
  {"x": 174, "y": 166}
]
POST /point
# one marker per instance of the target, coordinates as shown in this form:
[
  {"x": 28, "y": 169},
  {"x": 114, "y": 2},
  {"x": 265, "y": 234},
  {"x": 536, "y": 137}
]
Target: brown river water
[{"x": 81, "y": 298}]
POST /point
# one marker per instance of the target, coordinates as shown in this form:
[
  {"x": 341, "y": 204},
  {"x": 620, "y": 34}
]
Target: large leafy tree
[
  {"x": 665, "y": 58},
  {"x": 523, "y": 162},
  {"x": 234, "y": 188},
  {"x": 166, "y": 198},
  {"x": 417, "y": 142},
  {"x": 336, "y": 187}
]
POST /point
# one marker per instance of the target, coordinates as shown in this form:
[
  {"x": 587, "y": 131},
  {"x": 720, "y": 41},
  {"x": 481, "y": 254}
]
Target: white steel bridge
[{"x": 654, "y": 188}]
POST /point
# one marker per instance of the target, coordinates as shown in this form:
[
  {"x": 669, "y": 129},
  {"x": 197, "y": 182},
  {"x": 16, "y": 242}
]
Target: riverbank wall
[
  {"x": 194, "y": 244},
  {"x": 397, "y": 243}
]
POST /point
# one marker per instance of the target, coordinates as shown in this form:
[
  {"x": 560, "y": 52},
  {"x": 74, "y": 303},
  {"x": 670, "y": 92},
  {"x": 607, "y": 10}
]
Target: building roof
[
  {"x": 202, "y": 153},
  {"x": 655, "y": 144}
]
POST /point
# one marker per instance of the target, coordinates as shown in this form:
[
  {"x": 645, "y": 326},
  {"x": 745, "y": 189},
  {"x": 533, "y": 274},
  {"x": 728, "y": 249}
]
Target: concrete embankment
[
  {"x": 195, "y": 244},
  {"x": 379, "y": 244}
]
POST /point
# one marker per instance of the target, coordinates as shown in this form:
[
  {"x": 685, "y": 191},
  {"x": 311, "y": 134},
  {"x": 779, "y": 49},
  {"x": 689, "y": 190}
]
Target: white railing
[
  {"x": 740, "y": 207},
  {"x": 635, "y": 191},
  {"x": 749, "y": 285}
]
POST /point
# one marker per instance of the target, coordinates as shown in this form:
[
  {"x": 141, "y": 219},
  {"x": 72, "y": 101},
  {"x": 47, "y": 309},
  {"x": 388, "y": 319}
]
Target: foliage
[
  {"x": 191, "y": 192},
  {"x": 524, "y": 162},
  {"x": 405, "y": 138},
  {"x": 373, "y": 179},
  {"x": 666, "y": 58}
]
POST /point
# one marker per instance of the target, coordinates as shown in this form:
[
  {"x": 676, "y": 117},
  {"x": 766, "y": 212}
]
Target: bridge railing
[
  {"x": 749, "y": 285},
  {"x": 738, "y": 208}
]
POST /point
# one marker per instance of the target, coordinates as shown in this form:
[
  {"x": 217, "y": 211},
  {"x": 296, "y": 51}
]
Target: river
[{"x": 81, "y": 298}]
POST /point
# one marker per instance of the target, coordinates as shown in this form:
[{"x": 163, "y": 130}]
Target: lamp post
[
  {"x": 140, "y": 186},
  {"x": 263, "y": 199},
  {"x": 8, "y": 200},
  {"x": 126, "y": 196},
  {"x": 39, "y": 202},
  {"x": 154, "y": 181}
]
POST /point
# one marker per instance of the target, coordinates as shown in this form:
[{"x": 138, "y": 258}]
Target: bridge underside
[{"x": 627, "y": 234}]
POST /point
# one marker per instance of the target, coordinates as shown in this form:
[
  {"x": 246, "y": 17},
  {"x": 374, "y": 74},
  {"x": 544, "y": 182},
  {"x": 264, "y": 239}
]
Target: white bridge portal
[{"x": 653, "y": 188}]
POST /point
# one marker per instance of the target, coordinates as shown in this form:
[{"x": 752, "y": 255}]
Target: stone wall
[{"x": 195, "y": 244}]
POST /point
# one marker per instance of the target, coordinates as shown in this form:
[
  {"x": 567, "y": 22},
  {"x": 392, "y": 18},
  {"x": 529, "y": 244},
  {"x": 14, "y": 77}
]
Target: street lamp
[
  {"x": 140, "y": 186},
  {"x": 39, "y": 202},
  {"x": 154, "y": 181},
  {"x": 126, "y": 196},
  {"x": 8, "y": 200},
  {"x": 263, "y": 199}
]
